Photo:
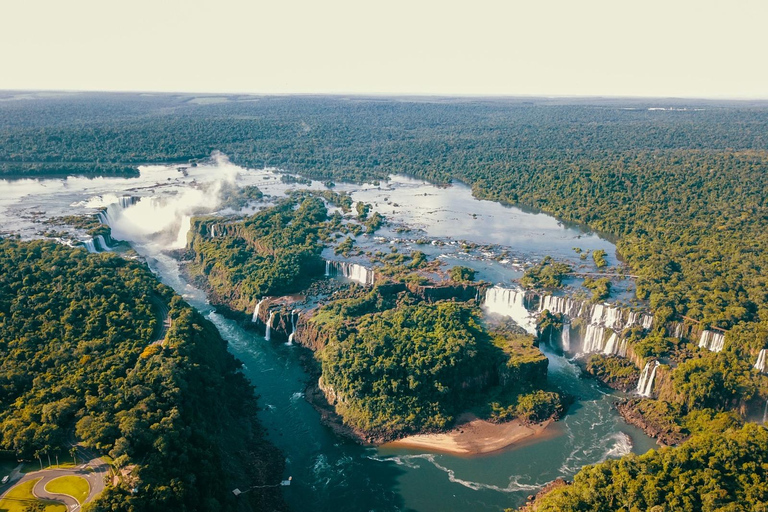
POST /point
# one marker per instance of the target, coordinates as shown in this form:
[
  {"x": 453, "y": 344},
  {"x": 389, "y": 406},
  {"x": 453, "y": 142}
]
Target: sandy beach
[{"x": 473, "y": 437}]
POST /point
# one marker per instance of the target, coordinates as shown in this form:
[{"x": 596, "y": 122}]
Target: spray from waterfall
[{"x": 164, "y": 220}]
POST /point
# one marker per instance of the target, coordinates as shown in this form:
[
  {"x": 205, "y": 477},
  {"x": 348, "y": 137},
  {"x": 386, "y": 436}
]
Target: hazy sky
[{"x": 695, "y": 48}]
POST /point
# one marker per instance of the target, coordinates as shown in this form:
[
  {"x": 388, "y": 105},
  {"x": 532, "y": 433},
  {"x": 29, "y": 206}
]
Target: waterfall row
[
  {"x": 712, "y": 341},
  {"x": 762, "y": 361},
  {"x": 352, "y": 271},
  {"x": 645, "y": 384},
  {"x": 601, "y": 339},
  {"x": 614, "y": 318},
  {"x": 511, "y": 303}
]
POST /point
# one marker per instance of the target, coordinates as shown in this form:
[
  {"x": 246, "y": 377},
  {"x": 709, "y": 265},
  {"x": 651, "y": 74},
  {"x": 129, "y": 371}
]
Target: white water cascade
[
  {"x": 594, "y": 339},
  {"x": 645, "y": 384},
  {"x": 89, "y": 245},
  {"x": 712, "y": 341},
  {"x": 294, "y": 314},
  {"x": 352, "y": 271},
  {"x": 511, "y": 303},
  {"x": 268, "y": 333},
  {"x": 255, "y": 318},
  {"x": 566, "y": 337},
  {"x": 762, "y": 361}
]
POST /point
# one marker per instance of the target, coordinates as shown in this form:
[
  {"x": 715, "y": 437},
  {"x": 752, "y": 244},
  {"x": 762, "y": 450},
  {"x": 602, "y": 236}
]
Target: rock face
[{"x": 664, "y": 434}]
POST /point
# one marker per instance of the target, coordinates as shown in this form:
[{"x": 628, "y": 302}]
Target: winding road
[{"x": 94, "y": 471}]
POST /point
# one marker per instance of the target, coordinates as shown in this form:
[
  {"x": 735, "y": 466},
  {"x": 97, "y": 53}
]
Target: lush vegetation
[
  {"x": 711, "y": 472},
  {"x": 394, "y": 365},
  {"x": 409, "y": 369},
  {"x": 616, "y": 372},
  {"x": 548, "y": 273},
  {"x": 273, "y": 252},
  {"x": 77, "y": 356}
]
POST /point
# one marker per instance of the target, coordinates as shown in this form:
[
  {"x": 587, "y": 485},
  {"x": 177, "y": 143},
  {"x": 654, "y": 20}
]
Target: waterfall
[
  {"x": 566, "y": 337},
  {"x": 255, "y": 318},
  {"x": 294, "y": 314},
  {"x": 762, "y": 361},
  {"x": 622, "y": 348},
  {"x": 101, "y": 243},
  {"x": 765, "y": 413},
  {"x": 606, "y": 315},
  {"x": 89, "y": 245},
  {"x": 268, "y": 333},
  {"x": 561, "y": 305},
  {"x": 647, "y": 321},
  {"x": 712, "y": 341},
  {"x": 165, "y": 218},
  {"x": 593, "y": 339},
  {"x": 213, "y": 230},
  {"x": 611, "y": 347},
  {"x": 645, "y": 384},
  {"x": 352, "y": 271},
  {"x": 511, "y": 303}
]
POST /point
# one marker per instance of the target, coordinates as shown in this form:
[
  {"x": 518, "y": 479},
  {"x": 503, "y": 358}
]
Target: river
[{"x": 332, "y": 473}]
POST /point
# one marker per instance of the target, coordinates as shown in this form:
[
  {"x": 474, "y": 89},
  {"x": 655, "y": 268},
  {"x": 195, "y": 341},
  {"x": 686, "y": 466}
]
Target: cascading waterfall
[
  {"x": 101, "y": 243},
  {"x": 762, "y": 361},
  {"x": 352, "y": 271},
  {"x": 614, "y": 318},
  {"x": 89, "y": 245},
  {"x": 511, "y": 303},
  {"x": 594, "y": 339},
  {"x": 645, "y": 384},
  {"x": 566, "y": 337},
  {"x": 765, "y": 413},
  {"x": 712, "y": 341},
  {"x": 255, "y": 318},
  {"x": 268, "y": 333},
  {"x": 165, "y": 219},
  {"x": 294, "y": 314}
]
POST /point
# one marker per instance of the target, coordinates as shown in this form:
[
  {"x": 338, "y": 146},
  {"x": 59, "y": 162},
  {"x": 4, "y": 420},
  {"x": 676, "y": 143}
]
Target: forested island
[{"x": 681, "y": 190}]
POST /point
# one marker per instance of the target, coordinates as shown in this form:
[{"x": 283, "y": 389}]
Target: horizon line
[{"x": 395, "y": 94}]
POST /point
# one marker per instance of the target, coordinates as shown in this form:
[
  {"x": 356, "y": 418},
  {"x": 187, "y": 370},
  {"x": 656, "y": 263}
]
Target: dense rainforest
[
  {"x": 682, "y": 191},
  {"x": 712, "y": 472},
  {"x": 392, "y": 362},
  {"x": 83, "y": 355}
]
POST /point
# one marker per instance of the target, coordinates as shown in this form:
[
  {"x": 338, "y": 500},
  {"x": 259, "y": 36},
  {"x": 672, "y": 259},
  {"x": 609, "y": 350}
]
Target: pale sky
[{"x": 682, "y": 48}]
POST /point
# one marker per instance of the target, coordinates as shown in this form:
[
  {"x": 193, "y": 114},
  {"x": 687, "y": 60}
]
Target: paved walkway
[{"x": 94, "y": 471}]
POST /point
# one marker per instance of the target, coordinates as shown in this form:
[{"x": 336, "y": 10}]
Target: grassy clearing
[
  {"x": 20, "y": 498},
  {"x": 75, "y": 486}
]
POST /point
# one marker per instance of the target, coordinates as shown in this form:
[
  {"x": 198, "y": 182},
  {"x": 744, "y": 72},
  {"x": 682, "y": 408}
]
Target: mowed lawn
[
  {"x": 75, "y": 486},
  {"x": 20, "y": 498}
]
